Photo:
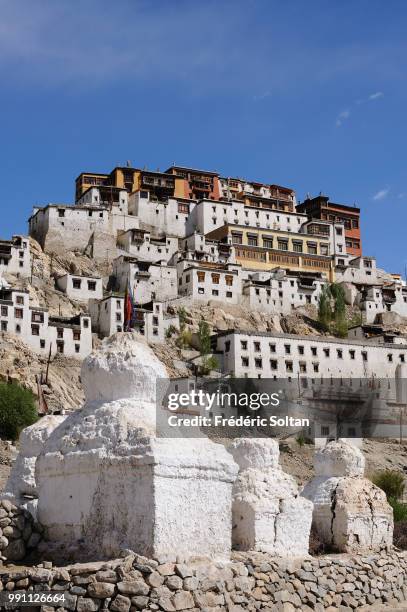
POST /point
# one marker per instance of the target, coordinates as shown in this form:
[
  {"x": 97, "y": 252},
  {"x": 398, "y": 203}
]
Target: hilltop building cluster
[{"x": 188, "y": 236}]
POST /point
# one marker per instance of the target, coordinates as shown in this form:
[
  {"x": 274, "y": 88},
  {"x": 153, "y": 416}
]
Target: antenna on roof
[{"x": 128, "y": 163}]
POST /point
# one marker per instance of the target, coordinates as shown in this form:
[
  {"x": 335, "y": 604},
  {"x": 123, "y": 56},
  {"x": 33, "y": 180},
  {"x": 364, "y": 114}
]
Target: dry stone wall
[{"x": 251, "y": 581}]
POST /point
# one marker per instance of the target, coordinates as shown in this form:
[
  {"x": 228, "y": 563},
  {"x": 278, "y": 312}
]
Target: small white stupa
[
  {"x": 351, "y": 514},
  {"x": 106, "y": 478},
  {"x": 269, "y": 515}
]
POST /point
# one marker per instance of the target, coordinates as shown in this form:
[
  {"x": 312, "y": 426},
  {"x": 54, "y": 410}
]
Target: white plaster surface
[
  {"x": 21, "y": 481},
  {"x": 350, "y": 514},
  {"x": 268, "y": 513},
  {"x": 105, "y": 477}
]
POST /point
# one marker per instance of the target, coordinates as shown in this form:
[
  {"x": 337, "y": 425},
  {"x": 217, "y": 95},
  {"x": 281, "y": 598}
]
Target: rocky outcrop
[
  {"x": 268, "y": 513},
  {"x": 350, "y": 514}
]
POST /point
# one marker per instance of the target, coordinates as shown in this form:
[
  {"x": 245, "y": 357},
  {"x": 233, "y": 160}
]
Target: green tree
[
  {"x": 182, "y": 316},
  {"x": 341, "y": 323},
  {"x": 17, "y": 410},
  {"x": 204, "y": 336},
  {"x": 324, "y": 308}
]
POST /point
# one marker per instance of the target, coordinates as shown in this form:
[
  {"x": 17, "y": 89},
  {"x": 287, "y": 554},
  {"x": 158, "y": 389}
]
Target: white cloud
[
  {"x": 376, "y": 95},
  {"x": 342, "y": 117},
  {"x": 381, "y": 194},
  {"x": 262, "y": 96}
]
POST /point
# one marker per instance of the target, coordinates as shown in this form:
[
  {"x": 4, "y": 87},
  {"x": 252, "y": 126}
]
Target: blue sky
[{"x": 312, "y": 95}]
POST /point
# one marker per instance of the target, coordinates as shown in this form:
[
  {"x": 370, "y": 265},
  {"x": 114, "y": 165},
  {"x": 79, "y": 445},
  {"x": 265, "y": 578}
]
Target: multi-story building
[
  {"x": 80, "y": 288},
  {"x": 107, "y": 314},
  {"x": 148, "y": 281},
  {"x": 15, "y": 256},
  {"x": 152, "y": 322},
  {"x": 205, "y": 280},
  {"x": 140, "y": 243},
  {"x": 273, "y": 355},
  {"x": 321, "y": 208},
  {"x": 259, "y": 249},
  {"x": 70, "y": 336}
]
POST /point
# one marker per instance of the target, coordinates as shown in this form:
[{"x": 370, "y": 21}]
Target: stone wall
[{"x": 251, "y": 581}]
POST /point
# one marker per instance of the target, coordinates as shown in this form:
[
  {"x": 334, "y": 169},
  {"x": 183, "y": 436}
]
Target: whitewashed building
[
  {"x": 80, "y": 288},
  {"x": 15, "y": 257},
  {"x": 281, "y": 291},
  {"x": 148, "y": 281},
  {"x": 167, "y": 216},
  {"x": 107, "y": 315},
  {"x": 141, "y": 244},
  {"x": 70, "y": 336},
  {"x": 153, "y": 322},
  {"x": 209, "y": 281},
  {"x": 269, "y": 355}
]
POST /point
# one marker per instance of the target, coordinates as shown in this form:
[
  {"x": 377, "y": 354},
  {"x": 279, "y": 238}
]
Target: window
[
  {"x": 19, "y": 299},
  {"x": 60, "y": 332},
  {"x": 229, "y": 294},
  {"x": 4, "y": 311},
  {"x": 76, "y": 283},
  {"x": 390, "y": 357},
  {"x": 86, "y": 323},
  {"x": 301, "y": 350},
  {"x": 364, "y": 355},
  {"x": 312, "y": 248},
  {"x": 252, "y": 240},
  {"x": 92, "y": 285},
  {"x": 273, "y": 364},
  {"x": 257, "y": 347},
  {"x": 118, "y": 304},
  {"x": 272, "y": 348},
  {"x": 315, "y": 367},
  {"x": 201, "y": 277},
  {"x": 4, "y": 326},
  {"x": 287, "y": 348},
  {"x": 289, "y": 366},
  {"x": 227, "y": 346},
  {"x": 237, "y": 238},
  {"x": 42, "y": 344},
  {"x": 60, "y": 347},
  {"x": 338, "y": 231},
  {"x": 325, "y": 430},
  {"x": 35, "y": 330},
  {"x": 215, "y": 292},
  {"x": 258, "y": 362},
  {"x": 303, "y": 367},
  {"x": 76, "y": 335},
  {"x": 37, "y": 317},
  {"x": 229, "y": 280},
  {"x": 324, "y": 249},
  {"x": 18, "y": 329},
  {"x": 61, "y": 212},
  {"x": 282, "y": 245},
  {"x": 18, "y": 313},
  {"x": 243, "y": 345},
  {"x": 201, "y": 290},
  {"x": 215, "y": 279},
  {"x": 339, "y": 353},
  {"x": 314, "y": 351},
  {"x": 401, "y": 358},
  {"x": 245, "y": 362},
  {"x": 268, "y": 242},
  {"x": 297, "y": 246},
  {"x": 352, "y": 354},
  {"x": 77, "y": 348}
]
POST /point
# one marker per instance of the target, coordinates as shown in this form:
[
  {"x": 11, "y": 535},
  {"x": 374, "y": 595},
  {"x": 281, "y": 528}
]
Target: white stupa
[{"x": 107, "y": 479}]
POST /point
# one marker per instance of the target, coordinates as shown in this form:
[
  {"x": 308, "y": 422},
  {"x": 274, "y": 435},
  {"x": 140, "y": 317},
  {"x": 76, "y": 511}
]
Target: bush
[
  {"x": 399, "y": 510},
  {"x": 208, "y": 364},
  {"x": 170, "y": 331},
  {"x": 391, "y": 482},
  {"x": 17, "y": 410},
  {"x": 184, "y": 339},
  {"x": 400, "y": 535}
]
